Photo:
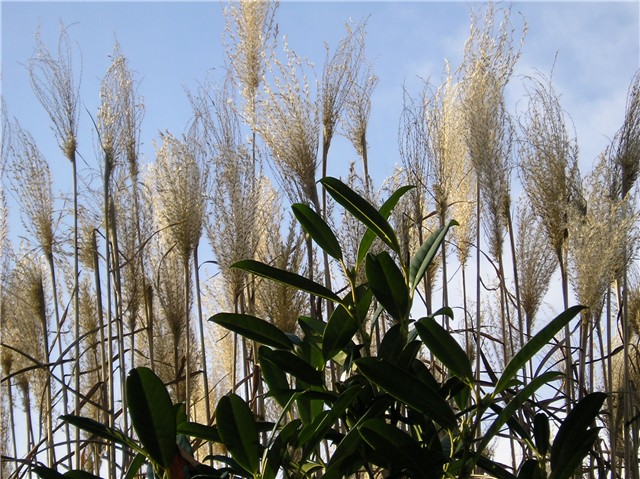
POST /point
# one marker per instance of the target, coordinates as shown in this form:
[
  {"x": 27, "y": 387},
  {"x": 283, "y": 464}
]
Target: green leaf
[
  {"x": 444, "y": 347},
  {"x": 79, "y": 474},
  {"x": 278, "y": 450},
  {"x": 313, "y": 433},
  {"x": 46, "y": 472},
  {"x": 135, "y": 466},
  {"x": 392, "y": 344},
  {"x": 388, "y": 285},
  {"x": 400, "y": 449},
  {"x": 514, "y": 404},
  {"x": 531, "y": 469},
  {"x": 494, "y": 469},
  {"x": 274, "y": 376},
  {"x": 253, "y": 328},
  {"x": 575, "y": 436},
  {"x": 152, "y": 414},
  {"x": 362, "y": 210},
  {"x": 338, "y": 332},
  {"x": 425, "y": 254},
  {"x": 541, "y": 432},
  {"x": 238, "y": 431},
  {"x": 286, "y": 277},
  {"x": 534, "y": 345},
  {"x": 200, "y": 431},
  {"x": 385, "y": 210},
  {"x": 297, "y": 367},
  {"x": 408, "y": 389},
  {"x": 94, "y": 427},
  {"x": 318, "y": 229}
]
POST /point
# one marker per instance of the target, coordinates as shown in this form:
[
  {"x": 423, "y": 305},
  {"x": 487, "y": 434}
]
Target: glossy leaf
[
  {"x": 274, "y": 376},
  {"x": 444, "y": 347},
  {"x": 575, "y": 436},
  {"x": 152, "y": 414},
  {"x": 340, "y": 329},
  {"x": 200, "y": 431},
  {"x": 253, "y": 328},
  {"x": 94, "y": 427},
  {"x": 388, "y": 285},
  {"x": 238, "y": 431},
  {"x": 385, "y": 210},
  {"x": 494, "y": 469},
  {"x": 318, "y": 230},
  {"x": 45, "y": 472},
  {"x": 278, "y": 450},
  {"x": 362, "y": 210},
  {"x": 400, "y": 449},
  {"x": 408, "y": 389},
  {"x": 541, "y": 431},
  {"x": 134, "y": 467},
  {"x": 286, "y": 277},
  {"x": 534, "y": 345},
  {"x": 425, "y": 254},
  {"x": 297, "y": 367}
]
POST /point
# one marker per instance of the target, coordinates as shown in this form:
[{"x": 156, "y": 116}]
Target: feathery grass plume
[
  {"x": 625, "y": 150},
  {"x": 602, "y": 241},
  {"x": 181, "y": 187},
  {"x": 289, "y": 124},
  {"x": 356, "y": 119},
  {"x": 31, "y": 182},
  {"x": 536, "y": 263},
  {"x": 276, "y": 302},
  {"x": 31, "y": 338},
  {"x": 53, "y": 83},
  {"x": 251, "y": 31}
]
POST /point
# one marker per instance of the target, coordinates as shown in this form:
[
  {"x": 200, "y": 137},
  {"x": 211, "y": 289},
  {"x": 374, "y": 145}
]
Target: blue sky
[{"x": 176, "y": 45}]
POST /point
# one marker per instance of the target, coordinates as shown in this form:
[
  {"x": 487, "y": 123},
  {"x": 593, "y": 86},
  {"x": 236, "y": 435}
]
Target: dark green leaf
[
  {"x": 494, "y": 469},
  {"x": 339, "y": 331},
  {"x": 534, "y": 345},
  {"x": 279, "y": 449},
  {"x": 425, "y": 254},
  {"x": 575, "y": 436},
  {"x": 362, "y": 210},
  {"x": 318, "y": 229},
  {"x": 274, "y": 376},
  {"x": 392, "y": 344},
  {"x": 253, "y": 328},
  {"x": 135, "y": 466},
  {"x": 46, "y": 472},
  {"x": 541, "y": 432},
  {"x": 400, "y": 449},
  {"x": 238, "y": 431},
  {"x": 444, "y": 347},
  {"x": 152, "y": 414},
  {"x": 79, "y": 474},
  {"x": 297, "y": 367},
  {"x": 286, "y": 277},
  {"x": 94, "y": 427},
  {"x": 200, "y": 431},
  {"x": 385, "y": 210},
  {"x": 388, "y": 285},
  {"x": 408, "y": 389}
]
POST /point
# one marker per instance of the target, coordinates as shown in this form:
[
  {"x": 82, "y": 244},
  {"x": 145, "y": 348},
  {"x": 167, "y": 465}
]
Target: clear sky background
[{"x": 176, "y": 45}]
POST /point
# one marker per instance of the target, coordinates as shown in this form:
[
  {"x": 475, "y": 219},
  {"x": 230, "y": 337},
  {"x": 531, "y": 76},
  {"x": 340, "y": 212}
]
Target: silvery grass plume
[
  {"x": 342, "y": 71},
  {"x": 53, "y": 83},
  {"x": 289, "y": 124},
  {"x": 276, "y": 302},
  {"x": 625, "y": 150},
  {"x": 489, "y": 59},
  {"x": 548, "y": 161},
  {"x": 31, "y": 182},
  {"x": 251, "y": 31},
  {"x": 536, "y": 262},
  {"x": 356, "y": 119},
  {"x": 235, "y": 229},
  {"x": 180, "y": 186},
  {"x": 602, "y": 237}
]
